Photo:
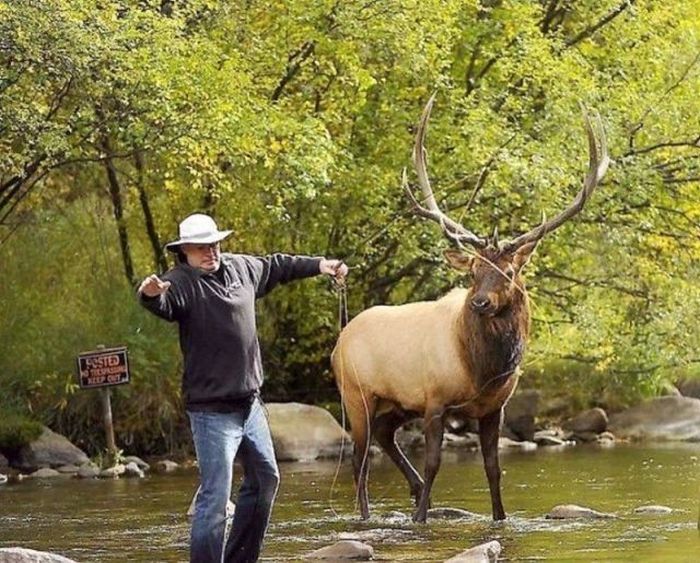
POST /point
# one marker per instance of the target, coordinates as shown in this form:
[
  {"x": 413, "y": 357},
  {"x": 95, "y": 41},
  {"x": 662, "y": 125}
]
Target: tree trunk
[
  {"x": 159, "y": 258},
  {"x": 118, "y": 207}
]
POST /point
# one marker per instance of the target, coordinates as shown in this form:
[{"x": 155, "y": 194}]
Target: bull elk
[{"x": 457, "y": 355}]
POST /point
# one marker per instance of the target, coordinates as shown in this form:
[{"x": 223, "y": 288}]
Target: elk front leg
[
  {"x": 385, "y": 427},
  {"x": 433, "y": 429},
  {"x": 489, "y": 426}
]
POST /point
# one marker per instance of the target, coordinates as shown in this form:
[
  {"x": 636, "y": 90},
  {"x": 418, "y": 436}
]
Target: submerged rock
[
  {"x": 344, "y": 549},
  {"x": 131, "y": 469},
  {"x": 564, "y": 511},
  {"x": 447, "y": 513},
  {"x": 45, "y": 473},
  {"x": 21, "y": 555},
  {"x": 505, "y": 443},
  {"x": 166, "y": 466},
  {"x": 304, "y": 432},
  {"x": 138, "y": 461},
  {"x": 49, "y": 450},
  {"x": 484, "y": 553},
  {"x": 653, "y": 509},
  {"x": 88, "y": 471}
]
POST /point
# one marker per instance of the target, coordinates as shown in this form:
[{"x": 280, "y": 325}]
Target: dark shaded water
[{"x": 144, "y": 520}]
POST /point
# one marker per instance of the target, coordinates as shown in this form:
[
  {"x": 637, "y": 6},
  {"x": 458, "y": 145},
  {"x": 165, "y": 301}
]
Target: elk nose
[{"x": 480, "y": 303}]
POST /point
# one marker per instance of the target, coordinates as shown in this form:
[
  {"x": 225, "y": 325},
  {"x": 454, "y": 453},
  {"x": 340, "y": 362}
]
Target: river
[{"x": 144, "y": 520}]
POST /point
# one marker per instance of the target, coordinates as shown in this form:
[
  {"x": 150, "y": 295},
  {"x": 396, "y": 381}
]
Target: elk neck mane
[{"x": 494, "y": 346}]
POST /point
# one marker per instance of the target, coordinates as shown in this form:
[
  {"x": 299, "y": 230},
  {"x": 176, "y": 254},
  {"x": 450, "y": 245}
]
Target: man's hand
[
  {"x": 336, "y": 268},
  {"x": 153, "y": 286}
]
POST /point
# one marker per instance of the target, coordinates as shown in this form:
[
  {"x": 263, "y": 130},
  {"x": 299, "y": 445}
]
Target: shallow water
[{"x": 144, "y": 520}]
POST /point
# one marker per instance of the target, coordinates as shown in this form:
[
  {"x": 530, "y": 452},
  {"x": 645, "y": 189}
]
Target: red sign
[{"x": 103, "y": 367}]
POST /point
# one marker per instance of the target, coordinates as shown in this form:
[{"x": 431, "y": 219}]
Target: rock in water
[
  {"x": 447, "y": 513},
  {"x": 344, "y": 549},
  {"x": 662, "y": 418},
  {"x": 564, "y": 511},
  {"x": 50, "y": 449},
  {"x": 593, "y": 421},
  {"x": 484, "y": 553},
  {"x": 20, "y": 555},
  {"x": 653, "y": 509},
  {"x": 304, "y": 432}
]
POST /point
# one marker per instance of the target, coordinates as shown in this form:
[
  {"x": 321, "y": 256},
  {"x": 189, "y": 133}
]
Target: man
[{"x": 212, "y": 298}]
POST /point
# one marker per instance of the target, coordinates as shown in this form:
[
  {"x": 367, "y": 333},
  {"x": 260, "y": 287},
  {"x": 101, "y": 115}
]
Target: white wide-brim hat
[{"x": 197, "y": 229}]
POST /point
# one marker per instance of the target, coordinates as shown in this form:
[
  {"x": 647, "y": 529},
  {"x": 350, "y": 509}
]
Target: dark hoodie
[{"x": 216, "y": 315}]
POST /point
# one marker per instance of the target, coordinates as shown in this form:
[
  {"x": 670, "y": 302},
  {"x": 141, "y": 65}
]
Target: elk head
[{"x": 496, "y": 265}]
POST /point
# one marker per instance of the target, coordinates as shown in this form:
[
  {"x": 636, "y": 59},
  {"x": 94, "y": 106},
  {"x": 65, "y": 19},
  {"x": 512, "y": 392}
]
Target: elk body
[{"x": 458, "y": 355}]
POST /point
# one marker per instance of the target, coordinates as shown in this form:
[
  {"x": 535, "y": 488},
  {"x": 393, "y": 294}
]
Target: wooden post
[{"x": 105, "y": 395}]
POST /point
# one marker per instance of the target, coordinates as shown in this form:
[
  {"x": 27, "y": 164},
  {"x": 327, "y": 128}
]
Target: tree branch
[{"x": 610, "y": 16}]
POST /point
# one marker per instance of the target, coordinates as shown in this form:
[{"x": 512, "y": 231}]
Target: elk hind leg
[
  {"x": 360, "y": 414},
  {"x": 489, "y": 426},
  {"x": 385, "y": 426},
  {"x": 433, "y": 429}
]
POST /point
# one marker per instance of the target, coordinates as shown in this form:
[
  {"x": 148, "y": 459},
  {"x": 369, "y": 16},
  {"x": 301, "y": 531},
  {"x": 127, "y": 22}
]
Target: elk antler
[
  {"x": 597, "y": 167},
  {"x": 452, "y": 229}
]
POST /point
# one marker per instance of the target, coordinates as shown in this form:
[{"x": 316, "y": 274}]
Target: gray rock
[
  {"x": 653, "y": 509},
  {"x": 520, "y": 412},
  {"x": 584, "y": 436},
  {"x": 131, "y": 469},
  {"x": 507, "y": 443},
  {"x": 484, "y": 553},
  {"x": 138, "y": 461},
  {"x": 113, "y": 472},
  {"x": 446, "y": 513},
  {"x": 662, "y": 418},
  {"x": 21, "y": 555},
  {"x": 3, "y": 479},
  {"x": 591, "y": 421},
  {"x": 548, "y": 438},
  {"x": 88, "y": 471},
  {"x": 45, "y": 473},
  {"x": 50, "y": 449},
  {"x": 409, "y": 438},
  {"x": 344, "y": 549},
  {"x": 68, "y": 469},
  {"x": 304, "y": 432},
  {"x": 565, "y": 511},
  {"x": 689, "y": 387},
  {"x": 4, "y": 464},
  {"x": 466, "y": 442},
  {"x": 166, "y": 466}
]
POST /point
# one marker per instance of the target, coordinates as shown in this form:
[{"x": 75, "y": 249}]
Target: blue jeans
[{"x": 218, "y": 437}]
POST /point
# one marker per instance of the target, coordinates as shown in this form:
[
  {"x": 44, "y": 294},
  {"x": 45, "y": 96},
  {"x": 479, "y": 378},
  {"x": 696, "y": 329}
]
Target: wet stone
[
  {"x": 448, "y": 513},
  {"x": 565, "y": 511},
  {"x": 344, "y": 549},
  {"x": 653, "y": 509},
  {"x": 484, "y": 553},
  {"x": 45, "y": 473},
  {"x": 70, "y": 469}
]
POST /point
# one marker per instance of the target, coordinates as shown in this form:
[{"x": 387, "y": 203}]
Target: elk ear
[
  {"x": 458, "y": 260},
  {"x": 523, "y": 254}
]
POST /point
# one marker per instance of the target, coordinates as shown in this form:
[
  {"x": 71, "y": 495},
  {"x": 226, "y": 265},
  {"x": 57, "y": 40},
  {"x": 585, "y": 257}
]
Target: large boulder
[
  {"x": 49, "y": 450},
  {"x": 662, "y": 418},
  {"x": 689, "y": 387},
  {"x": 304, "y": 432},
  {"x": 21, "y": 555},
  {"x": 484, "y": 553},
  {"x": 592, "y": 421},
  {"x": 520, "y": 413}
]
